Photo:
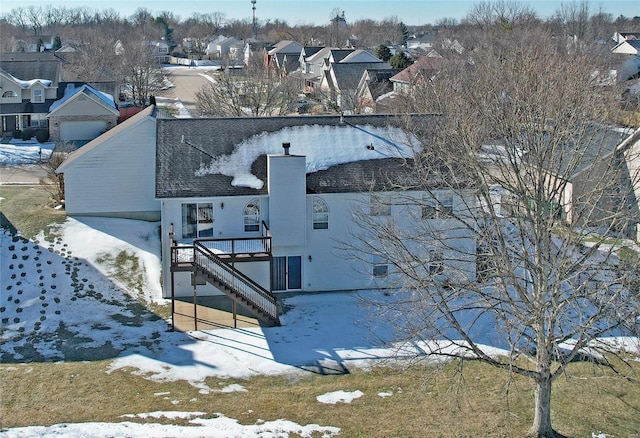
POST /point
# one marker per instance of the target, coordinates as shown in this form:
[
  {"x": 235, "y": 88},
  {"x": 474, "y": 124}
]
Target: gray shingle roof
[
  {"x": 33, "y": 69},
  {"x": 348, "y": 75},
  {"x": 177, "y": 162}
]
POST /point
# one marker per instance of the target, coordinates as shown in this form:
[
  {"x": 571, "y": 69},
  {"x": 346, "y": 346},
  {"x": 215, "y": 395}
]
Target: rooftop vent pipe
[{"x": 286, "y": 147}]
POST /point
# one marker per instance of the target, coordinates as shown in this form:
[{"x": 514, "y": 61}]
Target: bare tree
[
  {"x": 511, "y": 228},
  {"x": 249, "y": 93},
  {"x": 53, "y": 183}
]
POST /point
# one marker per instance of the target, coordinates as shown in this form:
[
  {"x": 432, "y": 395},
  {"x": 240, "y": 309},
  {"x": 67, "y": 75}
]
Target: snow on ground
[
  {"x": 221, "y": 426},
  {"x": 182, "y": 111},
  {"x": 331, "y": 398},
  {"x": 72, "y": 297},
  {"x": 24, "y": 152}
]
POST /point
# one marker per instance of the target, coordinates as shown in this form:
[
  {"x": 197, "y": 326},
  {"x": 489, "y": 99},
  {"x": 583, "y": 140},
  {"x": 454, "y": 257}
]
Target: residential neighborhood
[{"x": 471, "y": 188}]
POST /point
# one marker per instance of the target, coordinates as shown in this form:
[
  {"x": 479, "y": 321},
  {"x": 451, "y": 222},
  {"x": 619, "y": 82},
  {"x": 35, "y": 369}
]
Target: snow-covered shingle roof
[
  {"x": 227, "y": 156},
  {"x": 105, "y": 98}
]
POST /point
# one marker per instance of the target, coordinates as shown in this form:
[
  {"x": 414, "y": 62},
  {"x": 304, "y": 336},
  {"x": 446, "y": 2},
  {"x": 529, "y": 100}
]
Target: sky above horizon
[{"x": 296, "y": 12}]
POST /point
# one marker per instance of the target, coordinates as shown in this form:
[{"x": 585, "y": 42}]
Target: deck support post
[
  {"x": 235, "y": 320},
  {"x": 173, "y": 282}
]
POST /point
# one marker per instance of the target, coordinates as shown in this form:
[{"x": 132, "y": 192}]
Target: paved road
[
  {"x": 187, "y": 82},
  {"x": 21, "y": 174}
]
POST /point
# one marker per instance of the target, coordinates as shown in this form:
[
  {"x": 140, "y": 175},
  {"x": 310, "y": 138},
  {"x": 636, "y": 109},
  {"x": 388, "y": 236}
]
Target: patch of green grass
[
  {"x": 444, "y": 401},
  {"x": 24, "y": 209}
]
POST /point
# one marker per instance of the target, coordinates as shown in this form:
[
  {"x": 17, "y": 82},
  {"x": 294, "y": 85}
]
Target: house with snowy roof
[
  {"x": 27, "y": 90},
  {"x": 252, "y": 207},
  {"x": 81, "y": 114}
]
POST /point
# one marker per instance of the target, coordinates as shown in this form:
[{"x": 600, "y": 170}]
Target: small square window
[
  {"x": 380, "y": 266},
  {"x": 380, "y": 205}
]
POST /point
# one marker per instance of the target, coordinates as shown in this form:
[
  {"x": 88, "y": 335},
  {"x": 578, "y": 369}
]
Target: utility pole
[{"x": 255, "y": 24}]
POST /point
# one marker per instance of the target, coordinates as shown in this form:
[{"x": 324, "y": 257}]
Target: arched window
[
  {"x": 252, "y": 216},
  {"x": 320, "y": 214},
  {"x": 9, "y": 93}
]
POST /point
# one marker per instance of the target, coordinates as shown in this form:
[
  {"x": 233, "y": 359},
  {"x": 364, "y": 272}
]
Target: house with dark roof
[
  {"x": 27, "y": 91},
  {"x": 423, "y": 69},
  {"x": 284, "y": 56},
  {"x": 627, "y": 47},
  {"x": 255, "y": 206},
  {"x": 339, "y": 84},
  {"x": 375, "y": 91}
]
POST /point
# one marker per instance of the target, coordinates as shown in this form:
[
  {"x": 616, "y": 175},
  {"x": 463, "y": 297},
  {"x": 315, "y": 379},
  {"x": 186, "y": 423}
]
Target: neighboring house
[
  {"x": 32, "y": 43},
  {"x": 279, "y": 214},
  {"x": 82, "y": 114},
  {"x": 422, "y": 69},
  {"x": 630, "y": 150},
  {"x": 284, "y": 57},
  {"x": 421, "y": 43},
  {"x": 375, "y": 91},
  {"x": 314, "y": 65},
  {"x": 627, "y": 47},
  {"x": 211, "y": 50},
  {"x": 230, "y": 47},
  {"x": 27, "y": 91},
  {"x": 573, "y": 197},
  {"x": 114, "y": 174},
  {"x": 160, "y": 51},
  {"x": 620, "y": 37},
  {"x": 340, "y": 82},
  {"x": 305, "y": 71}
]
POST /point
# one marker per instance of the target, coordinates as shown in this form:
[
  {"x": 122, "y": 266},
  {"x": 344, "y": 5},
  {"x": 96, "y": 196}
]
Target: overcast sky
[{"x": 318, "y": 11}]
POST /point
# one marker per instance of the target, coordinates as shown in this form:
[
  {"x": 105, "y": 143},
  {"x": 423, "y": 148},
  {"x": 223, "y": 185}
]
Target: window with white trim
[
  {"x": 9, "y": 93},
  {"x": 251, "y": 216},
  {"x": 36, "y": 95},
  {"x": 439, "y": 207},
  {"x": 380, "y": 266},
  {"x": 320, "y": 214},
  {"x": 197, "y": 220},
  {"x": 380, "y": 205}
]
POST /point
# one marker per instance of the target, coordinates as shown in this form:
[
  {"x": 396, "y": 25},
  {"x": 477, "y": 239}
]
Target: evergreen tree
[
  {"x": 383, "y": 52},
  {"x": 57, "y": 43},
  {"x": 400, "y": 60}
]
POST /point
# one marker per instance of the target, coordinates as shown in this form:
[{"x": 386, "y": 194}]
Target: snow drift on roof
[
  {"x": 71, "y": 91},
  {"x": 323, "y": 147}
]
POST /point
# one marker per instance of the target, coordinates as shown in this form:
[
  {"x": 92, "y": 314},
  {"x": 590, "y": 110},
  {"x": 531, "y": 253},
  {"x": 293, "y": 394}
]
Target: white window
[
  {"x": 439, "y": 207},
  {"x": 9, "y": 93},
  {"x": 320, "y": 214},
  {"x": 197, "y": 220},
  {"x": 380, "y": 266},
  {"x": 251, "y": 216},
  {"x": 36, "y": 96},
  {"x": 380, "y": 205}
]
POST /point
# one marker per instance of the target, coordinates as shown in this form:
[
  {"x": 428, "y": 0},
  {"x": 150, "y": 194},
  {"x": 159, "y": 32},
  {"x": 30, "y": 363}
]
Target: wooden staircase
[
  {"x": 215, "y": 269},
  {"x": 213, "y": 260}
]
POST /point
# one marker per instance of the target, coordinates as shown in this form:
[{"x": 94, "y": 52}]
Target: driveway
[
  {"x": 187, "y": 81},
  {"x": 28, "y": 174}
]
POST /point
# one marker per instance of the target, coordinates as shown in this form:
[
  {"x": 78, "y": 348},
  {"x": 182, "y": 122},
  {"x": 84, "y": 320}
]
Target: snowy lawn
[
  {"x": 24, "y": 152},
  {"x": 81, "y": 298}
]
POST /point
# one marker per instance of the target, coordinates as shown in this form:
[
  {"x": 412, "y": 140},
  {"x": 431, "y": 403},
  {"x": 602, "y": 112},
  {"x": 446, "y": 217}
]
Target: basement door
[{"x": 287, "y": 273}]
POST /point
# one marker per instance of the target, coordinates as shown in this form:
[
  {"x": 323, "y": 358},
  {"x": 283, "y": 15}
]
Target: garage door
[{"x": 74, "y": 131}]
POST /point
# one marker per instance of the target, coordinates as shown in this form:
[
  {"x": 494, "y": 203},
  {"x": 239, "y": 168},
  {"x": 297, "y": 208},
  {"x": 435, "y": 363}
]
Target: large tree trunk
[{"x": 541, "y": 427}]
